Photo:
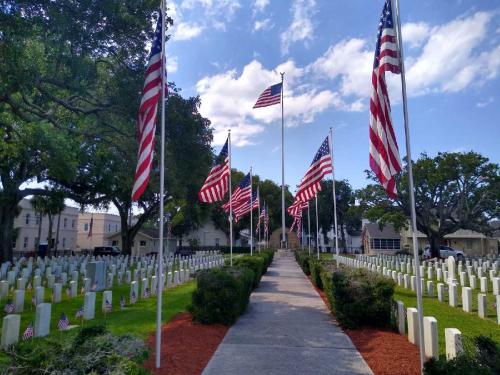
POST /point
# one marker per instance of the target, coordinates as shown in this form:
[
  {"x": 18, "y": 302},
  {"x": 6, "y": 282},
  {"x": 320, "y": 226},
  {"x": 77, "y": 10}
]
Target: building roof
[{"x": 387, "y": 231}]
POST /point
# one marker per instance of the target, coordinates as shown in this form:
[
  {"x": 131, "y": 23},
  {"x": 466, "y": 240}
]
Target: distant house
[
  {"x": 146, "y": 241},
  {"x": 376, "y": 240},
  {"x": 207, "y": 235}
]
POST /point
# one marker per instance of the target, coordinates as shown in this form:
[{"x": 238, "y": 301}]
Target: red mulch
[
  {"x": 385, "y": 351},
  {"x": 187, "y": 346}
]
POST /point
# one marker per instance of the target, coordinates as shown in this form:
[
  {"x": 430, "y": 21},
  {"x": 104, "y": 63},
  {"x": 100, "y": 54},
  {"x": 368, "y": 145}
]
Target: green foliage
[
  {"x": 222, "y": 295},
  {"x": 482, "y": 359},
  {"x": 254, "y": 263},
  {"x": 93, "y": 350},
  {"x": 361, "y": 298},
  {"x": 316, "y": 267},
  {"x": 303, "y": 260},
  {"x": 267, "y": 256}
]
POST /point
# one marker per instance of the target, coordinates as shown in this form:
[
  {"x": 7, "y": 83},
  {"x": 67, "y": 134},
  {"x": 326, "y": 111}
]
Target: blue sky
[{"x": 228, "y": 51}]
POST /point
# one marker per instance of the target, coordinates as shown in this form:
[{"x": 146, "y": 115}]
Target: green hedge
[
  {"x": 221, "y": 295},
  {"x": 361, "y": 298},
  {"x": 316, "y": 267},
  {"x": 255, "y": 263},
  {"x": 303, "y": 259}
]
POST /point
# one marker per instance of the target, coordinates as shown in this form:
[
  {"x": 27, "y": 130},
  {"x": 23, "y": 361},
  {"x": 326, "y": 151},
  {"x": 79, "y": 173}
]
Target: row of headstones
[
  {"x": 445, "y": 271},
  {"x": 410, "y": 282},
  {"x": 173, "y": 278},
  {"x": 11, "y": 322}
]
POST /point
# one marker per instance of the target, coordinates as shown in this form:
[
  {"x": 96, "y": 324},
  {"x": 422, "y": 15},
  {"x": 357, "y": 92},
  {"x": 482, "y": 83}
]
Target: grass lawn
[
  {"x": 470, "y": 324},
  {"x": 138, "y": 320}
]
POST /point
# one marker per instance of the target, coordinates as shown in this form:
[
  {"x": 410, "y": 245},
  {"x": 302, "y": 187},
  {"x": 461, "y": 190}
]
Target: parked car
[
  {"x": 445, "y": 252},
  {"x": 107, "y": 250}
]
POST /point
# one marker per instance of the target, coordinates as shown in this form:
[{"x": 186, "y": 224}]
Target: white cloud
[
  {"x": 485, "y": 103},
  {"x": 172, "y": 64},
  {"x": 264, "y": 24},
  {"x": 301, "y": 29},
  {"x": 227, "y": 100},
  {"x": 260, "y": 5},
  {"x": 186, "y": 31},
  {"x": 415, "y": 34}
]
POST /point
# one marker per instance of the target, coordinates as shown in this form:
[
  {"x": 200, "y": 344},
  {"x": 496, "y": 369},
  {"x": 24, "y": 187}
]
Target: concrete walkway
[{"x": 287, "y": 329}]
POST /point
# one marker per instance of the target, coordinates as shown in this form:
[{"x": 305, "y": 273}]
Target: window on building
[
  {"x": 25, "y": 243},
  {"x": 116, "y": 227},
  {"x": 109, "y": 227},
  {"x": 73, "y": 223},
  {"x": 65, "y": 222},
  {"x": 27, "y": 218},
  {"x": 386, "y": 244},
  {"x": 142, "y": 243},
  {"x": 114, "y": 243},
  {"x": 86, "y": 227},
  {"x": 64, "y": 243},
  {"x": 217, "y": 242}
]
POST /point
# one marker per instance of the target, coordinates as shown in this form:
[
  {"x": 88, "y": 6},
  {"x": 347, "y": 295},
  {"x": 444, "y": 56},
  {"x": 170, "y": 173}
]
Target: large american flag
[
  {"x": 262, "y": 217},
  {"x": 146, "y": 122},
  {"x": 240, "y": 194},
  {"x": 295, "y": 210},
  {"x": 246, "y": 206},
  {"x": 320, "y": 167},
  {"x": 217, "y": 183},
  {"x": 270, "y": 96},
  {"x": 384, "y": 154}
]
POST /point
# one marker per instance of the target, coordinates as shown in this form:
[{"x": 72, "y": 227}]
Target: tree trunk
[
  {"x": 57, "y": 234},
  {"x": 8, "y": 212},
  {"x": 126, "y": 242},
  {"x": 434, "y": 242},
  {"x": 37, "y": 244},
  {"x": 49, "y": 235}
]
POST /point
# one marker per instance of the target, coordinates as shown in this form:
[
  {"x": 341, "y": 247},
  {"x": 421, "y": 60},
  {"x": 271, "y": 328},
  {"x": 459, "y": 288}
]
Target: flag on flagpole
[
  {"x": 91, "y": 226},
  {"x": 217, "y": 183},
  {"x": 9, "y": 307},
  {"x": 384, "y": 153},
  {"x": 262, "y": 217},
  {"x": 320, "y": 167},
  {"x": 146, "y": 122},
  {"x": 266, "y": 222},
  {"x": 28, "y": 333},
  {"x": 241, "y": 194},
  {"x": 270, "y": 96},
  {"x": 246, "y": 206}
]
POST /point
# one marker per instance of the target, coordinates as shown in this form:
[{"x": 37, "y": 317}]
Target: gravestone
[
  {"x": 453, "y": 339},
  {"x": 39, "y": 294},
  {"x": 73, "y": 289},
  {"x": 401, "y": 317},
  {"x": 440, "y": 290},
  {"x": 4, "y": 288},
  {"x": 10, "y": 330},
  {"x": 18, "y": 301},
  {"x": 413, "y": 329},
  {"x": 430, "y": 288},
  {"x": 42, "y": 319},
  {"x": 96, "y": 271},
  {"x": 21, "y": 283},
  {"x": 107, "y": 295},
  {"x": 57, "y": 293},
  {"x": 89, "y": 306},
  {"x": 467, "y": 299},
  {"x": 453, "y": 298},
  {"x": 431, "y": 337},
  {"x": 134, "y": 292},
  {"x": 482, "y": 304}
]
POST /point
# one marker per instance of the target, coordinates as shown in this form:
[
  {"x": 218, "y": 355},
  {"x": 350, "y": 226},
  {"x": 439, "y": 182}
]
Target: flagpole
[
  {"x": 317, "y": 227},
  {"x": 162, "y": 192},
  {"x": 258, "y": 221},
  {"x": 411, "y": 188},
  {"x": 308, "y": 228},
  {"x": 230, "y": 200},
  {"x": 283, "y": 242},
  {"x": 251, "y": 213},
  {"x": 334, "y": 198}
]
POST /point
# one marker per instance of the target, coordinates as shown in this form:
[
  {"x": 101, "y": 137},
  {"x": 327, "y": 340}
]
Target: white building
[
  {"x": 27, "y": 223},
  {"x": 103, "y": 226},
  {"x": 207, "y": 235}
]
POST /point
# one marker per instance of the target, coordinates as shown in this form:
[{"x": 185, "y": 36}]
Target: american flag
[
  {"x": 29, "y": 332},
  {"x": 296, "y": 211},
  {"x": 79, "y": 313},
  {"x": 384, "y": 153},
  {"x": 320, "y": 167},
  {"x": 266, "y": 222},
  {"x": 63, "y": 322},
  {"x": 262, "y": 217},
  {"x": 270, "y": 96},
  {"x": 9, "y": 307},
  {"x": 246, "y": 206},
  {"x": 107, "y": 306},
  {"x": 217, "y": 183},
  {"x": 122, "y": 302},
  {"x": 146, "y": 122},
  {"x": 240, "y": 194}
]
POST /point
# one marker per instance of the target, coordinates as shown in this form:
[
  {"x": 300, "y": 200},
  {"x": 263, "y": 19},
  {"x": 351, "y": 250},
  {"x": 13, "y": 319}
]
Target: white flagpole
[
  {"x": 251, "y": 214},
  {"x": 258, "y": 218},
  {"x": 283, "y": 242},
  {"x": 334, "y": 199},
  {"x": 308, "y": 228},
  {"x": 230, "y": 200},
  {"x": 317, "y": 227},
  {"x": 162, "y": 190},
  {"x": 410, "y": 185}
]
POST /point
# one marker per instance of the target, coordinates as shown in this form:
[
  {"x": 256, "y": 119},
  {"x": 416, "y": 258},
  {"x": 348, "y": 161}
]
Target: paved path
[{"x": 287, "y": 329}]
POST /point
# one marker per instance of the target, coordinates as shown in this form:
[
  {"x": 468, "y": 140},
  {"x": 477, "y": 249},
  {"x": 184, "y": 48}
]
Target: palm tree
[
  {"x": 38, "y": 204},
  {"x": 49, "y": 205}
]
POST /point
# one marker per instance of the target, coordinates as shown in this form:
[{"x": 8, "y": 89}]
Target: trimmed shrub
[
  {"x": 268, "y": 256},
  {"x": 222, "y": 294},
  {"x": 255, "y": 263},
  {"x": 302, "y": 259},
  {"x": 326, "y": 282},
  {"x": 316, "y": 267},
  {"x": 361, "y": 298}
]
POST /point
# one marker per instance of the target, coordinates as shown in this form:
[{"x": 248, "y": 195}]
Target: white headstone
[
  {"x": 431, "y": 348},
  {"x": 73, "y": 289},
  {"x": 453, "y": 339},
  {"x": 42, "y": 319},
  {"x": 482, "y": 305},
  {"x": 401, "y": 317},
  {"x": 18, "y": 301},
  {"x": 39, "y": 294},
  {"x": 467, "y": 299},
  {"x": 440, "y": 289},
  {"x": 107, "y": 296},
  {"x": 430, "y": 288},
  {"x": 10, "y": 330},
  {"x": 453, "y": 297},
  {"x": 134, "y": 292},
  {"x": 484, "y": 284},
  {"x": 89, "y": 306},
  {"x": 57, "y": 292},
  {"x": 413, "y": 329}
]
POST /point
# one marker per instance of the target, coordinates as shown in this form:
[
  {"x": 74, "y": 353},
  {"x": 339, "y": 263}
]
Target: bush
[
  {"x": 482, "y": 359},
  {"x": 302, "y": 259},
  {"x": 92, "y": 351},
  {"x": 316, "y": 267},
  {"x": 326, "y": 282},
  {"x": 255, "y": 263},
  {"x": 222, "y": 294},
  {"x": 361, "y": 298},
  {"x": 268, "y": 256}
]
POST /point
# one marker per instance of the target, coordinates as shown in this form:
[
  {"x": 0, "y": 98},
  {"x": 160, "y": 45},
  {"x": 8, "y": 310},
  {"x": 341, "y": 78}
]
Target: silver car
[{"x": 445, "y": 252}]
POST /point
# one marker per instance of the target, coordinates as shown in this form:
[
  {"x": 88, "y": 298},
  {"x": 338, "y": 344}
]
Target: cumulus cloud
[
  {"x": 186, "y": 31},
  {"x": 227, "y": 100},
  {"x": 172, "y": 64},
  {"x": 260, "y": 5},
  {"x": 264, "y": 24},
  {"x": 415, "y": 34},
  {"x": 302, "y": 28}
]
